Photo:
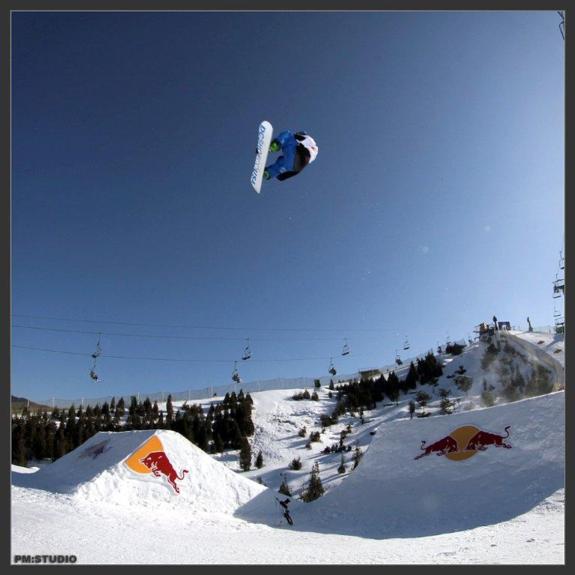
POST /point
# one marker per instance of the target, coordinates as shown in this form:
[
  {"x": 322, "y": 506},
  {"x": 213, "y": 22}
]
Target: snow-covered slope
[
  {"x": 544, "y": 348},
  {"x": 499, "y": 505},
  {"x": 391, "y": 494}
]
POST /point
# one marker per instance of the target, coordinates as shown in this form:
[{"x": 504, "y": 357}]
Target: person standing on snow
[
  {"x": 286, "y": 513},
  {"x": 298, "y": 151}
]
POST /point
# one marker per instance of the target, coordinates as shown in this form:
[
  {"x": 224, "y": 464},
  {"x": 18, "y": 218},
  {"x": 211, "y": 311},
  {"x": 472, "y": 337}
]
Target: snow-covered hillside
[
  {"x": 391, "y": 494},
  {"x": 500, "y": 504}
]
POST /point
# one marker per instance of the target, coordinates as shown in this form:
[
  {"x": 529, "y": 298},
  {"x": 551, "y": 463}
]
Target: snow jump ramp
[
  {"x": 146, "y": 468},
  {"x": 470, "y": 472}
]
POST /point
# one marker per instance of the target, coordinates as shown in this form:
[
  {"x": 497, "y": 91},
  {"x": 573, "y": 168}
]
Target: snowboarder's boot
[
  {"x": 266, "y": 175},
  {"x": 275, "y": 146}
]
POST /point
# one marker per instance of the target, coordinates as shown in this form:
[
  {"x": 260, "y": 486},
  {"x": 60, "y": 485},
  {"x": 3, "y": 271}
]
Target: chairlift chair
[
  {"x": 98, "y": 351},
  {"x": 346, "y": 350},
  {"x": 558, "y": 288},
  {"x": 95, "y": 356},
  {"x": 406, "y": 344},
  {"x": 332, "y": 369},
  {"x": 558, "y": 283},
  {"x": 247, "y": 351},
  {"x": 235, "y": 374},
  {"x": 398, "y": 359}
]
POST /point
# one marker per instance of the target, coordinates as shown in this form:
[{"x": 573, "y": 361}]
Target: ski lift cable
[
  {"x": 247, "y": 351},
  {"x": 185, "y": 360},
  {"x": 164, "y": 336},
  {"x": 230, "y": 328}
]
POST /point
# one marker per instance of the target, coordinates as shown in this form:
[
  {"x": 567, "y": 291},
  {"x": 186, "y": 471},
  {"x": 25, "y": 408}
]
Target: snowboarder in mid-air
[
  {"x": 298, "y": 150},
  {"x": 286, "y": 514}
]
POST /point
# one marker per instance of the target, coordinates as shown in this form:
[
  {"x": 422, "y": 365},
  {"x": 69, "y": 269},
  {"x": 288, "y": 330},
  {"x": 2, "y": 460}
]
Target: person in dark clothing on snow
[{"x": 286, "y": 514}]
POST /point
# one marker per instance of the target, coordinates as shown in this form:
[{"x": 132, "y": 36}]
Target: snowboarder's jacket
[{"x": 306, "y": 153}]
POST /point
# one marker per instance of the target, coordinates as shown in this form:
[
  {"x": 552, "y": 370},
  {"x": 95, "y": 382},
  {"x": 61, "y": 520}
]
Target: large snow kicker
[{"x": 149, "y": 468}]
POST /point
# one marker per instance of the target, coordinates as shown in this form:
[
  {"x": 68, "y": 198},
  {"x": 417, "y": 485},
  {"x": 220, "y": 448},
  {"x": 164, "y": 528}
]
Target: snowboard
[{"x": 265, "y": 133}]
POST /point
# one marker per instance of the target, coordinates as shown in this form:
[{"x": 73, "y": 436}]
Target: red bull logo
[
  {"x": 159, "y": 464},
  {"x": 151, "y": 458},
  {"x": 465, "y": 442}
]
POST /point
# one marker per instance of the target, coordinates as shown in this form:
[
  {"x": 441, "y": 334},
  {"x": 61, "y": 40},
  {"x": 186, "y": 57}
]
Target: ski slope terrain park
[{"x": 483, "y": 484}]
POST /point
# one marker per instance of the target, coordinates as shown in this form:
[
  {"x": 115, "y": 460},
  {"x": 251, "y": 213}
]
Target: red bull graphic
[
  {"x": 482, "y": 439},
  {"x": 159, "y": 464},
  {"x": 465, "y": 442},
  {"x": 152, "y": 458},
  {"x": 441, "y": 447}
]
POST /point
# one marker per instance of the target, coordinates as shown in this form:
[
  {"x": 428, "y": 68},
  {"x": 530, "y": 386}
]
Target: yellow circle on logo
[{"x": 462, "y": 435}]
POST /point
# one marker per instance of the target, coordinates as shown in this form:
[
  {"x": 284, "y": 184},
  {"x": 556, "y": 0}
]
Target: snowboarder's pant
[{"x": 286, "y": 162}]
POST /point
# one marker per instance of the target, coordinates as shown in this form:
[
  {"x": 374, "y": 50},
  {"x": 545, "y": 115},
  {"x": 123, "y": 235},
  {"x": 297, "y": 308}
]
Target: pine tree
[
  {"x": 19, "y": 456},
  {"x": 147, "y": 409},
  {"x": 295, "y": 464},
  {"x": 284, "y": 488},
  {"x": 61, "y": 443},
  {"x": 259, "y": 460},
  {"x": 412, "y": 377},
  {"x": 463, "y": 383},
  {"x": 422, "y": 398},
  {"x": 487, "y": 398},
  {"x": 314, "y": 487},
  {"x": 446, "y": 406},
  {"x": 245, "y": 454},
  {"x": 218, "y": 443},
  {"x": 169, "y": 411},
  {"x": 155, "y": 411}
]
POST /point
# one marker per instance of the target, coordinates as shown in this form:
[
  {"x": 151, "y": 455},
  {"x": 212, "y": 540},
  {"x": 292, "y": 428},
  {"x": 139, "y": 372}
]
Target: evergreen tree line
[
  {"x": 366, "y": 393},
  {"x": 52, "y": 435}
]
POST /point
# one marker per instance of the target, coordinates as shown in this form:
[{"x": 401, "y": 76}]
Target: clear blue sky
[{"x": 436, "y": 200}]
